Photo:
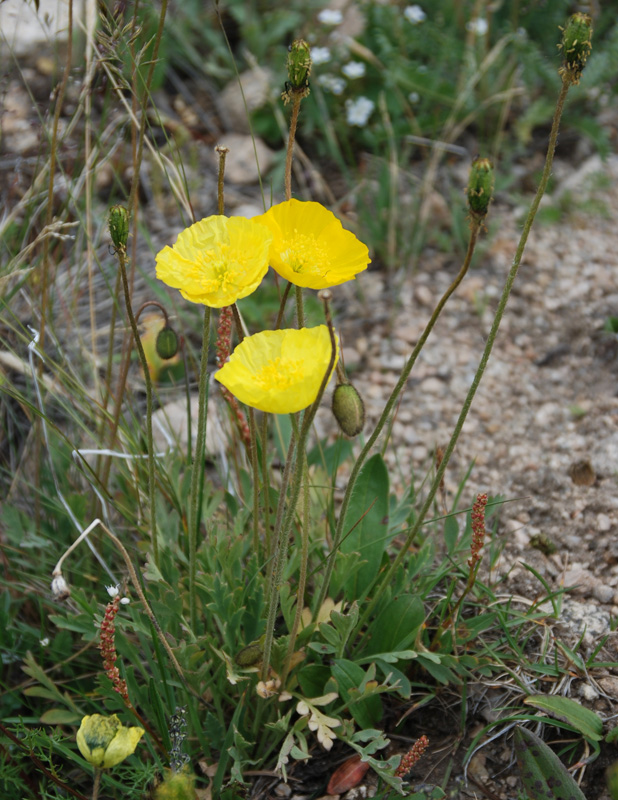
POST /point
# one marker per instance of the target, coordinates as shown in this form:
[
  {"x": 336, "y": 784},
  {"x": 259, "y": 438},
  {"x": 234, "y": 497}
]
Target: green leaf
[
  {"x": 542, "y": 772},
  {"x": 451, "y": 533},
  {"x": 582, "y": 719},
  {"x": 396, "y": 625},
  {"x": 366, "y": 525},
  {"x": 349, "y": 677},
  {"x": 59, "y": 716}
]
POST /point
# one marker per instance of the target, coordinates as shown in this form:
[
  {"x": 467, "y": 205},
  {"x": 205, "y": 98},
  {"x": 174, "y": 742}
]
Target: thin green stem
[
  {"x": 197, "y": 471},
  {"x": 121, "y": 253},
  {"x": 255, "y": 468},
  {"x": 290, "y": 149},
  {"x": 396, "y": 564},
  {"x": 390, "y": 404}
]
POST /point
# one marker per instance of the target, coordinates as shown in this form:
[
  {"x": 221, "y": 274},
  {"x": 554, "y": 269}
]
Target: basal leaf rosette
[
  {"x": 310, "y": 246},
  {"x": 216, "y": 261},
  {"x": 105, "y": 741},
  {"x": 279, "y": 371}
]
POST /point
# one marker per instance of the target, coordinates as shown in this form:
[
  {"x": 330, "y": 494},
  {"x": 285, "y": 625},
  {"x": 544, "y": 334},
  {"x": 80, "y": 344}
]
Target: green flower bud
[
  {"x": 299, "y": 69},
  {"x": 250, "y": 655},
  {"x": 105, "y": 742},
  {"x": 576, "y": 46},
  {"x": 480, "y": 188},
  {"x": 348, "y": 409},
  {"x": 118, "y": 222},
  {"x": 167, "y": 342}
]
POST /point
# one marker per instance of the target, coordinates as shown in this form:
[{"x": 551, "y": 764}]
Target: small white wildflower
[
  {"x": 354, "y": 69},
  {"x": 330, "y": 16},
  {"x": 112, "y": 591},
  {"x": 358, "y": 111},
  {"x": 320, "y": 55},
  {"x": 44, "y": 642},
  {"x": 414, "y": 97},
  {"x": 478, "y": 26},
  {"x": 422, "y": 68},
  {"x": 332, "y": 84},
  {"x": 414, "y": 14},
  {"x": 124, "y": 601}
]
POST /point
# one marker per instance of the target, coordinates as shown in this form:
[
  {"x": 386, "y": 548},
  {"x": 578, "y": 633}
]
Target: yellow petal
[
  {"x": 104, "y": 741},
  {"x": 122, "y": 745},
  {"x": 278, "y": 371},
  {"x": 216, "y": 261},
  {"x": 310, "y": 246}
]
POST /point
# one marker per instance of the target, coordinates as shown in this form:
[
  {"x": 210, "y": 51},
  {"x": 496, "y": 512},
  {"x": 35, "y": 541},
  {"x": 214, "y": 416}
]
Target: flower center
[
  {"x": 305, "y": 255},
  {"x": 279, "y": 374},
  {"x": 216, "y": 269}
]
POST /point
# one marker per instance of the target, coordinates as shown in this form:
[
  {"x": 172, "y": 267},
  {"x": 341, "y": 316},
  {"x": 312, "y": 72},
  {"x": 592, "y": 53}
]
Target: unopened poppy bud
[
  {"x": 348, "y": 409},
  {"x": 250, "y": 655},
  {"x": 299, "y": 69},
  {"x": 176, "y": 786},
  {"x": 118, "y": 222},
  {"x": 480, "y": 188},
  {"x": 167, "y": 342},
  {"x": 576, "y": 46}
]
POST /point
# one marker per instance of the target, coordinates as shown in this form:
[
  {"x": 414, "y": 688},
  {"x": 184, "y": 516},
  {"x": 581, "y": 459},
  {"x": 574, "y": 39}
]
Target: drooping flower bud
[
  {"x": 480, "y": 188},
  {"x": 250, "y": 655},
  {"x": 576, "y": 46},
  {"x": 348, "y": 409},
  {"x": 167, "y": 342},
  {"x": 299, "y": 69},
  {"x": 118, "y": 222}
]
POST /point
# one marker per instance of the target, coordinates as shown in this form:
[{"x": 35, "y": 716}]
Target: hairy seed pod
[
  {"x": 576, "y": 46},
  {"x": 250, "y": 655},
  {"x": 167, "y": 342},
  {"x": 480, "y": 188},
  {"x": 299, "y": 69},
  {"x": 118, "y": 223},
  {"x": 348, "y": 409}
]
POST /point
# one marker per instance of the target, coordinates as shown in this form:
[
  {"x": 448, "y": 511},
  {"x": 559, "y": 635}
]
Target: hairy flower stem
[
  {"x": 283, "y": 525},
  {"x": 197, "y": 470},
  {"x": 97, "y": 783},
  {"x": 390, "y": 404},
  {"x": 121, "y": 253},
  {"x": 396, "y": 564},
  {"x": 302, "y": 578},
  {"x": 289, "y": 156}
]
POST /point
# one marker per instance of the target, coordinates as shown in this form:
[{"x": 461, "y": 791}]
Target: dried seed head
[
  {"x": 480, "y": 188},
  {"x": 348, "y": 409},
  {"x": 167, "y": 342},
  {"x": 118, "y": 223},
  {"x": 576, "y": 46}
]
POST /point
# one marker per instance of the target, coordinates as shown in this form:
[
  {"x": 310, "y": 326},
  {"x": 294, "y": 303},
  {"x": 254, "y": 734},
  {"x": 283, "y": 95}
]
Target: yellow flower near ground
[
  {"x": 279, "y": 371},
  {"x": 310, "y": 246},
  {"x": 105, "y": 742},
  {"x": 216, "y": 261}
]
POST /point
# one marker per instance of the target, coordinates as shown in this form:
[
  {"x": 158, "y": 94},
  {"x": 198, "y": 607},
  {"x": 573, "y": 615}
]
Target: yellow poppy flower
[
  {"x": 278, "y": 371},
  {"x": 310, "y": 246},
  {"x": 216, "y": 261},
  {"x": 105, "y": 742}
]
